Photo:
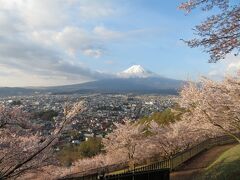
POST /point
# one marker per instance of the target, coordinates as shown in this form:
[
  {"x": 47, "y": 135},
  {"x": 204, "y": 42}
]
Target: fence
[
  {"x": 179, "y": 158},
  {"x": 162, "y": 174},
  {"x": 171, "y": 163}
]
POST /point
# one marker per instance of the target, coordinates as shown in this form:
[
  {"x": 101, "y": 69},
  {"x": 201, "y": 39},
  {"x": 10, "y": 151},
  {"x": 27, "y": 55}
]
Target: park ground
[{"x": 220, "y": 162}]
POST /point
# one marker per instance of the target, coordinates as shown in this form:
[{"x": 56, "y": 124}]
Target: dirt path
[{"x": 195, "y": 166}]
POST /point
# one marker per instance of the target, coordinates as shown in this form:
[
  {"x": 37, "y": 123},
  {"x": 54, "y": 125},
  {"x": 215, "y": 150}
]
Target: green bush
[
  {"x": 91, "y": 147},
  {"x": 72, "y": 152}
]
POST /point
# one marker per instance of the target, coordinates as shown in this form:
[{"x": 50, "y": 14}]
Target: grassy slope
[{"x": 227, "y": 166}]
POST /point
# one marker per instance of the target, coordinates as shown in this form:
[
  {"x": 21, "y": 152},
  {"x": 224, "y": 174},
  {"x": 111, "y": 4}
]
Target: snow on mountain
[{"x": 136, "y": 71}]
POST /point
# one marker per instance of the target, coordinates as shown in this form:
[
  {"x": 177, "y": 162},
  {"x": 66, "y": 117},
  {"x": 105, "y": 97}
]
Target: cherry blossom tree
[
  {"x": 218, "y": 34},
  {"x": 124, "y": 140},
  {"x": 178, "y": 136},
  {"x": 130, "y": 144},
  {"x": 126, "y": 145},
  {"x": 23, "y": 148},
  {"x": 207, "y": 109},
  {"x": 215, "y": 103}
]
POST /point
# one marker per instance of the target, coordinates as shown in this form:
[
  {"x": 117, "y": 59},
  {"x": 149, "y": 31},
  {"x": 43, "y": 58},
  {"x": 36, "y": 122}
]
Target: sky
[{"x": 57, "y": 42}]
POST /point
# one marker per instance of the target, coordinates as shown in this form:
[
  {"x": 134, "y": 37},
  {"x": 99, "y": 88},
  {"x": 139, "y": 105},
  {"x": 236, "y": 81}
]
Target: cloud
[
  {"x": 76, "y": 40},
  {"x": 234, "y": 65},
  {"x": 229, "y": 66},
  {"x": 42, "y": 40},
  {"x": 52, "y": 39},
  {"x": 37, "y": 14},
  {"x": 105, "y": 33},
  {"x": 93, "y": 52},
  {"x": 109, "y": 62}
]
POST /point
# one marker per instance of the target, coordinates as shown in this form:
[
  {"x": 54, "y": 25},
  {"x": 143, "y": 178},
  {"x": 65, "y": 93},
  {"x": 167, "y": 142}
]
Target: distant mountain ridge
[
  {"x": 17, "y": 91},
  {"x": 132, "y": 80},
  {"x": 125, "y": 85}
]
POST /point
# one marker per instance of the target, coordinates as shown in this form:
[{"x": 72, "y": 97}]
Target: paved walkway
[{"x": 196, "y": 165}]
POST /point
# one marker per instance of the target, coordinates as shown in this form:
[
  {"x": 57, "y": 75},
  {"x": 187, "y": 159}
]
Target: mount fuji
[
  {"x": 136, "y": 71},
  {"x": 132, "y": 80},
  {"x": 135, "y": 79}
]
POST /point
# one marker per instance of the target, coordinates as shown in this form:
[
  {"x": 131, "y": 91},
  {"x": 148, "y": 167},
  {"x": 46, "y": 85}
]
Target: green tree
[
  {"x": 91, "y": 147},
  {"x": 162, "y": 118},
  {"x": 16, "y": 103},
  {"x": 47, "y": 115}
]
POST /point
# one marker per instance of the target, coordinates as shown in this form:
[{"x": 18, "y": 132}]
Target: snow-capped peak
[{"x": 136, "y": 71}]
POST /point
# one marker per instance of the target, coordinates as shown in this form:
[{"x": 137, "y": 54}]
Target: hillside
[{"x": 226, "y": 166}]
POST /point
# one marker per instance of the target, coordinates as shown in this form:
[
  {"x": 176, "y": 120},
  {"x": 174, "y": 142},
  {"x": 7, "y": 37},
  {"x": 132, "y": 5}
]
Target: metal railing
[
  {"x": 179, "y": 158},
  {"x": 92, "y": 174},
  {"x": 163, "y": 174},
  {"x": 171, "y": 163}
]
